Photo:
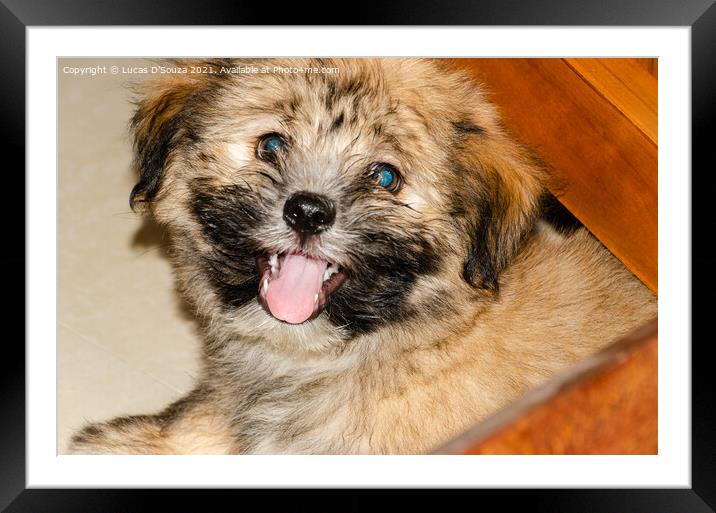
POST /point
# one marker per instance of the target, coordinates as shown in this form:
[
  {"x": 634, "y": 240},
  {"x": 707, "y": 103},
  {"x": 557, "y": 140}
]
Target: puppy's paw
[{"x": 124, "y": 435}]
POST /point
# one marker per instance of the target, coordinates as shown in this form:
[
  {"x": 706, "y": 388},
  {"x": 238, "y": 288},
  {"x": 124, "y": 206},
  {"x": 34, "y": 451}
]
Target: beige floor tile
[
  {"x": 96, "y": 384},
  {"x": 126, "y": 343}
]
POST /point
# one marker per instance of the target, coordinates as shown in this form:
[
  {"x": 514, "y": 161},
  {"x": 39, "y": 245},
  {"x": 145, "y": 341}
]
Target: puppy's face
[{"x": 326, "y": 205}]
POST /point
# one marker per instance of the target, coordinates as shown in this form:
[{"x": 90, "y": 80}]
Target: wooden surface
[
  {"x": 607, "y": 163},
  {"x": 627, "y": 85},
  {"x": 651, "y": 65},
  {"x": 605, "y": 405}
]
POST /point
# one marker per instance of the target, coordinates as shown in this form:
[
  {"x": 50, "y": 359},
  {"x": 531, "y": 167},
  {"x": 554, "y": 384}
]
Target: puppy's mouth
[{"x": 294, "y": 287}]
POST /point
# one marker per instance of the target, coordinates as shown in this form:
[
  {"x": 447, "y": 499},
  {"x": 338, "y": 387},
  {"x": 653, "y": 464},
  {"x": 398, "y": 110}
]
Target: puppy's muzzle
[
  {"x": 308, "y": 213},
  {"x": 294, "y": 286}
]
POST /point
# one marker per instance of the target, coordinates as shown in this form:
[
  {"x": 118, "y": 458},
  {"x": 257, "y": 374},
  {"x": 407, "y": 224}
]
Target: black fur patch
[
  {"x": 466, "y": 128},
  {"x": 160, "y": 125},
  {"x": 226, "y": 218},
  {"x": 481, "y": 262},
  {"x": 337, "y": 123},
  {"x": 557, "y": 215},
  {"x": 495, "y": 238},
  {"x": 377, "y": 290},
  {"x": 151, "y": 156}
]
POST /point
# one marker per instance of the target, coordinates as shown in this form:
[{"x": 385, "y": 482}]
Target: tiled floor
[{"x": 126, "y": 343}]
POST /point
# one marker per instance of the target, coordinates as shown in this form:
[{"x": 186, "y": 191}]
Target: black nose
[{"x": 309, "y": 213}]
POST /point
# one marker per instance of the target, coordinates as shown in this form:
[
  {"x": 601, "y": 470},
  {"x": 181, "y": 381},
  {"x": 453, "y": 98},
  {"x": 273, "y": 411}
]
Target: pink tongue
[{"x": 291, "y": 296}]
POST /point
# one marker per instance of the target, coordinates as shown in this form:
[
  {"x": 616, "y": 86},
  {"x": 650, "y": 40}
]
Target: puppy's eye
[
  {"x": 269, "y": 146},
  {"x": 386, "y": 176}
]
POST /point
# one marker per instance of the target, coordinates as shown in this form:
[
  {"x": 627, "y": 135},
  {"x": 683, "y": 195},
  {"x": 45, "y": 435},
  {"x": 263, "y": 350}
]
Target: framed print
[
  {"x": 69, "y": 68},
  {"x": 112, "y": 262}
]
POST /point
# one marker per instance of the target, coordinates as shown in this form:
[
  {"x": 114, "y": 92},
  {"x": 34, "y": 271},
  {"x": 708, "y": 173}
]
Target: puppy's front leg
[{"x": 191, "y": 425}]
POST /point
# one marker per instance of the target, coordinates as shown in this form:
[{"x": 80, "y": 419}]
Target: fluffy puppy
[{"x": 368, "y": 254}]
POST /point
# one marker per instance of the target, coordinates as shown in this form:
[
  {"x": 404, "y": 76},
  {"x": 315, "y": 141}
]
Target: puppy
[{"x": 369, "y": 253}]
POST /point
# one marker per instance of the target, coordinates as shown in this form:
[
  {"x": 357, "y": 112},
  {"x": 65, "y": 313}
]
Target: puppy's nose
[{"x": 309, "y": 213}]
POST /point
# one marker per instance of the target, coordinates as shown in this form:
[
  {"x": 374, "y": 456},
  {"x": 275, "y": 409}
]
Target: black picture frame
[{"x": 17, "y": 15}]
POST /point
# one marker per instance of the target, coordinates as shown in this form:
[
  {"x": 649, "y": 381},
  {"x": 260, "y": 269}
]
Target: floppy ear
[
  {"x": 157, "y": 127},
  {"x": 503, "y": 184}
]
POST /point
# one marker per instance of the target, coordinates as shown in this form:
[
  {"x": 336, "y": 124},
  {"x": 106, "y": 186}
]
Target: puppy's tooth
[
  {"x": 273, "y": 263},
  {"x": 330, "y": 271}
]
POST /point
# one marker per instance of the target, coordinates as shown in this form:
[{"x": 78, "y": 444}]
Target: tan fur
[{"x": 512, "y": 302}]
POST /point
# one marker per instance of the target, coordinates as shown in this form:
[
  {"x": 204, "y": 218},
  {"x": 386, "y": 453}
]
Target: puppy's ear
[
  {"x": 156, "y": 128},
  {"x": 502, "y": 184}
]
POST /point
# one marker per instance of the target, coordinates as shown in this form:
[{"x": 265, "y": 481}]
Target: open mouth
[{"x": 294, "y": 287}]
